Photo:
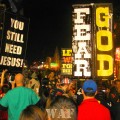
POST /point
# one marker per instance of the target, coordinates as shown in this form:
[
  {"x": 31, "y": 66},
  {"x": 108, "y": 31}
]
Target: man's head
[
  {"x": 19, "y": 79},
  {"x": 62, "y": 108},
  {"x": 89, "y": 88},
  {"x": 33, "y": 112}
]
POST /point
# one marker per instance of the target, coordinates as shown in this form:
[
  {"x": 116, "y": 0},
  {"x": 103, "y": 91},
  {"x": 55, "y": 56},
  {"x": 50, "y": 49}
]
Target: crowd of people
[{"x": 57, "y": 98}]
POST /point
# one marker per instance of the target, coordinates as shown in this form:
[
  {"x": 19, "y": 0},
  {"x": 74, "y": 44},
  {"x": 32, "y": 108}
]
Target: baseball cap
[{"x": 89, "y": 86}]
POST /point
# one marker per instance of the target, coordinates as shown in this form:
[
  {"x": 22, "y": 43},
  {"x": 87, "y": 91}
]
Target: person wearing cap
[
  {"x": 90, "y": 108},
  {"x": 65, "y": 84}
]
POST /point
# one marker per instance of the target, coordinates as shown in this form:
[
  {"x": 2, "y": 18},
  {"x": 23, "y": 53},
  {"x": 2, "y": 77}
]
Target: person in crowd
[
  {"x": 44, "y": 91},
  {"x": 34, "y": 84},
  {"x": 4, "y": 82},
  {"x": 4, "y": 114},
  {"x": 115, "y": 92},
  {"x": 5, "y": 77},
  {"x": 66, "y": 88},
  {"x": 103, "y": 94},
  {"x": 5, "y": 87},
  {"x": 115, "y": 109},
  {"x": 17, "y": 99},
  {"x": 62, "y": 108},
  {"x": 72, "y": 89},
  {"x": 91, "y": 105},
  {"x": 61, "y": 90},
  {"x": 79, "y": 96},
  {"x": 51, "y": 76},
  {"x": 33, "y": 112},
  {"x": 58, "y": 80},
  {"x": 64, "y": 85},
  {"x": 79, "y": 92}
]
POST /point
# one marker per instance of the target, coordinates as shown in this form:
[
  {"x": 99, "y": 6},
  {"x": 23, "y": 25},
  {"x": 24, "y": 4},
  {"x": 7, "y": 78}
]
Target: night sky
[{"x": 51, "y": 25}]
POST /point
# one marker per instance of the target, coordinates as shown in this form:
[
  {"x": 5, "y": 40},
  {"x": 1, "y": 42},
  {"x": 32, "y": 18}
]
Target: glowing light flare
[
  {"x": 53, "y": 65},
  {"x": 117, "y": 54}
]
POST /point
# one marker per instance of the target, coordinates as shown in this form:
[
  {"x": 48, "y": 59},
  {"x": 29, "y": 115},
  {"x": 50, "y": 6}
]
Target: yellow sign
[
  {"x": 66, "y": 62},
  {"x": 104, "y": 41}
]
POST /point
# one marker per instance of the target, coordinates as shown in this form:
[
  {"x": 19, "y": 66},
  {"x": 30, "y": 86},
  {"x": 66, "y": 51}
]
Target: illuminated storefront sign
[
  {"x": 66, "y": 62},
  {"x": 92, "y": 42}
]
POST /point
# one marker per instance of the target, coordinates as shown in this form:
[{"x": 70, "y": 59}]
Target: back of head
[
  {"x": 19, "y": 79},
  {"x": 89, "y": 87},
  {"x": 33, "y": 112},
  {"x": 62, "y": 108}
]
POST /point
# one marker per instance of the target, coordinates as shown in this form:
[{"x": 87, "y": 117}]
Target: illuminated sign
[
  {"x": 104, "y": 55},
  {"x": 66, "y": 61},
  {"x": 81, "y": 42},
  {"x": 92, "y": 43}
]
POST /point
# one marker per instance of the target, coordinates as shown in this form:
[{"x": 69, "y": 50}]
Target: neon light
[{"x": 54, "y": 64}]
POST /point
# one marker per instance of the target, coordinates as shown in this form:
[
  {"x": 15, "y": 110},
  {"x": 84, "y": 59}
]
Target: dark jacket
[{"x": 115, "y": 111}]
